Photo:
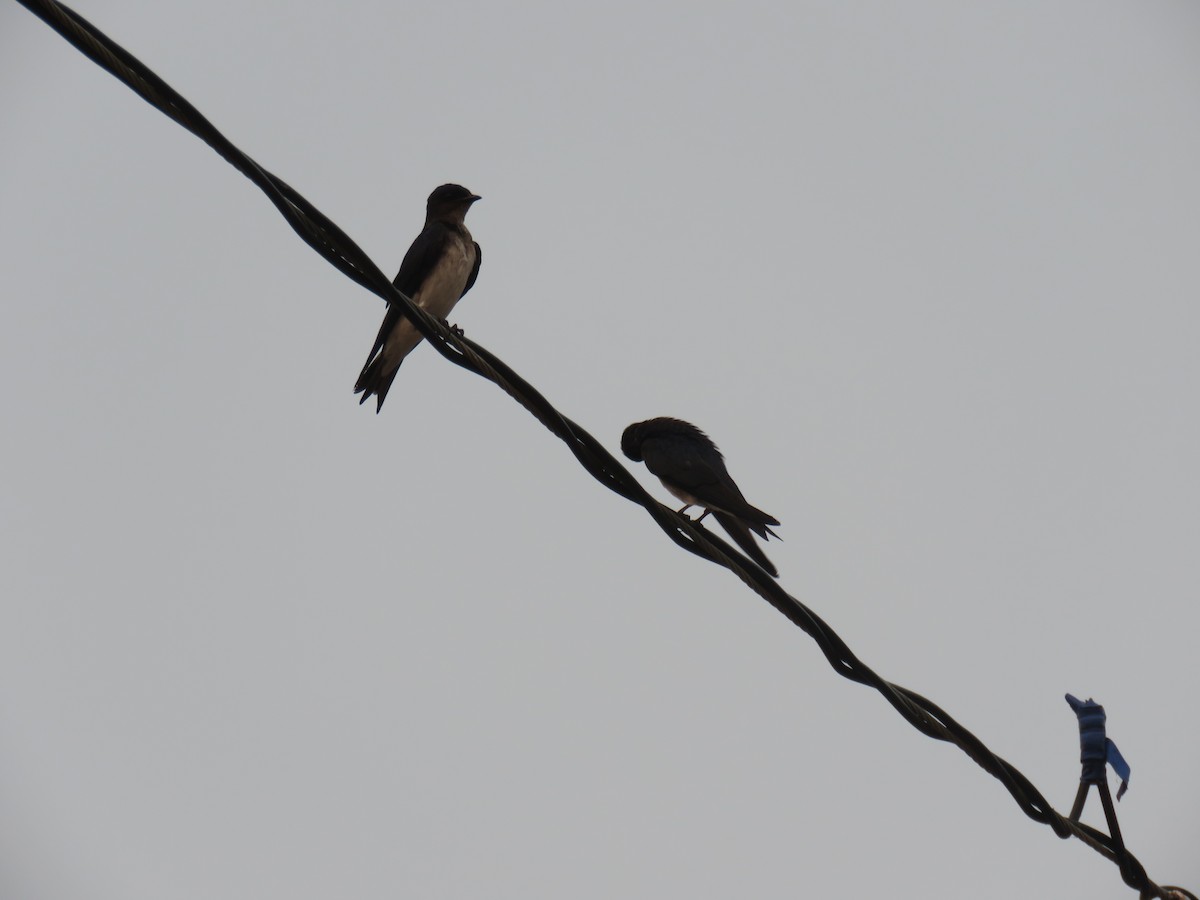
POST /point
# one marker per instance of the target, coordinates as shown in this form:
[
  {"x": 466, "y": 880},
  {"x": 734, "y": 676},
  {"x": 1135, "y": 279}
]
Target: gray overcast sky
[{"x": 926, "y": 272}]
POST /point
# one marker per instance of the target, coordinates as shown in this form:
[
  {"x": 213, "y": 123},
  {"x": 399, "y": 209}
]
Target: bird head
[
  {"x": 449, "y": 201},
  {"x": 631, "y": 441}
]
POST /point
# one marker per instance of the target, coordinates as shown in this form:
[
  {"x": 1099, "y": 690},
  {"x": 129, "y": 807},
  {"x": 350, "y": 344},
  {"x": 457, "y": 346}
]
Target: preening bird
[{"x": 691, "y": 467}]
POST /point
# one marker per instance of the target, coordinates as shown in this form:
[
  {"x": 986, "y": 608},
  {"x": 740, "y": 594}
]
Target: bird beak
[{"x": 475, "y": 197}]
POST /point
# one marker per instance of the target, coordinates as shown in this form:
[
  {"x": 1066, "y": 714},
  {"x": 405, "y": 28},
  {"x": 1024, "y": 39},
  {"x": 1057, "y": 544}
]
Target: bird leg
[
  {"x": 454, "y": 329},
  {"x": 690, "y": 519}
]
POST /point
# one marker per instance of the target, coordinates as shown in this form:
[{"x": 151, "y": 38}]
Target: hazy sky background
[{"x": 927, "y": 273}]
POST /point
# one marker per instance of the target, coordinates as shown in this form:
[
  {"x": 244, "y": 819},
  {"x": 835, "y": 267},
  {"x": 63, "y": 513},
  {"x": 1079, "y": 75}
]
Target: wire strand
[{"x": 327, "y": 239}]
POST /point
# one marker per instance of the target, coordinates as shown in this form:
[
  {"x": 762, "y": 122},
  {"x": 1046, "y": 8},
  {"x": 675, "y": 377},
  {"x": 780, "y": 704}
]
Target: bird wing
[
  {"x": 685, "y": 465},
  {"x": 422, "y": 256},
  {"x": 740, "y": 532},
  {"x": 700, "y": 471},
  {"x": 474, "y": 271},
  {"x": 694, "y": 470}
]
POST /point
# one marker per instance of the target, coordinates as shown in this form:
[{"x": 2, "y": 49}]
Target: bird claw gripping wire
[{"x": 1096, "y": 749}]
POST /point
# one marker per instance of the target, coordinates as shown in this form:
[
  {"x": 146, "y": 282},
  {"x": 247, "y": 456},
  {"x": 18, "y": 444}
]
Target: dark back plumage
[{"x": 664, "y": 427}]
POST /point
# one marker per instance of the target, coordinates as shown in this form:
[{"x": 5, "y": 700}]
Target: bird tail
[
  {"x": 739, "y": 530},
  {"x": 375, "y": 379},
  {"x": 757, "y": 521}
]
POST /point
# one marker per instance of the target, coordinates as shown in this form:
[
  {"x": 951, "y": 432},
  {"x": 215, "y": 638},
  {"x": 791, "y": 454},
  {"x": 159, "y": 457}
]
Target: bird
[
  {"x": 438, "y": 269},
  {"x": 691, "y": 467}
]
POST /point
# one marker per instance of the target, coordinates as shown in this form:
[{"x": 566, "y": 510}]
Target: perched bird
[
  {"x": 691, "y": 467},
  {"x": 439, "y": 267}
]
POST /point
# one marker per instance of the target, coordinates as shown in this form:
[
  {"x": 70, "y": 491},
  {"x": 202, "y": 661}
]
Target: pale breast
[
  {"x": 445, "y": 283},
  {"x": 682, "y": 494}
]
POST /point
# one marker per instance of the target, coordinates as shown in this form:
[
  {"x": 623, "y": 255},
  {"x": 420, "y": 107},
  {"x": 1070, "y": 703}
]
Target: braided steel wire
[{"x": 325, "y": 237}]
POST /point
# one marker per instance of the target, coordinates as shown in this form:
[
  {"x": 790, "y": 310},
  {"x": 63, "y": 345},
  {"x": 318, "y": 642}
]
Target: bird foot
[
  {"x": 454, "y": 329},
  {"x": 683, "y": 512}
]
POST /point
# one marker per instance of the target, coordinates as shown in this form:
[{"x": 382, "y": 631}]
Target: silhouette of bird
[
  {"x": 438, "y": 269},
  {"x": 691, "y": 467}
]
